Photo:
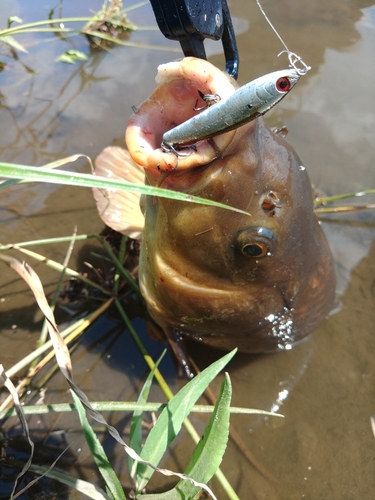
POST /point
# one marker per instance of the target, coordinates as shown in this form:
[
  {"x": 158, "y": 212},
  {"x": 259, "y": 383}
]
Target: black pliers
[{"x": 191, "y": 21}]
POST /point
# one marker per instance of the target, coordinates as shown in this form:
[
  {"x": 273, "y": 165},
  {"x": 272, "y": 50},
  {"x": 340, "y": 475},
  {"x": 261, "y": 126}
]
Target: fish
[{"x": 260, "y": 282}]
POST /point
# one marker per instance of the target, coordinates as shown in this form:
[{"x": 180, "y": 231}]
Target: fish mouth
[{"x": 176, "y": 99}]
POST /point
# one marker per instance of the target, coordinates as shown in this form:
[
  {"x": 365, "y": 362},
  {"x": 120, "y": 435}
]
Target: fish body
[
  {"x": 245, "y": 104},
  {"x": 259, "y": 282}
]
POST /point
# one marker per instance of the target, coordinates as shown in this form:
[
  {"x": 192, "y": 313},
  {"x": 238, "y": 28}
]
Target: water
[{"x": 324, "y": 447}]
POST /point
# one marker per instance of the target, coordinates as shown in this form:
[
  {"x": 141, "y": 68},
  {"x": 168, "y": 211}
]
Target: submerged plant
[
  {"x": 108, "y": 26},
  {"x": 144, "y": 458},
  {"x": 111, "y": 19}
]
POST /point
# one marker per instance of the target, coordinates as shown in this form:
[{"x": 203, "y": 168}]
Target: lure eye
[
  {"x": 256, "y": 242},
  {"x": 283, "y": 84}
]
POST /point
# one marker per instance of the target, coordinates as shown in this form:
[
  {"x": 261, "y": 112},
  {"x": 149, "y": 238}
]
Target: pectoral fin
[{"x": 119, "y": 209}]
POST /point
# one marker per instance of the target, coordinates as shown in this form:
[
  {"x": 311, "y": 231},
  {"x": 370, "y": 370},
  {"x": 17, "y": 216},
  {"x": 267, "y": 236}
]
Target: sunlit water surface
[{"x": 324, "y": 447}]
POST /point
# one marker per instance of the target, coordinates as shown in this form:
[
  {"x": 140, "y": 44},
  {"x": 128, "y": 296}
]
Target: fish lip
[{"x": 159, "y": 114}]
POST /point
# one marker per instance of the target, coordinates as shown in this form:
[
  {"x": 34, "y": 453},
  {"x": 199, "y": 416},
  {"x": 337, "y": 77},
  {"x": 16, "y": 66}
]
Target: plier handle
[{"x": 191, "y": 21}]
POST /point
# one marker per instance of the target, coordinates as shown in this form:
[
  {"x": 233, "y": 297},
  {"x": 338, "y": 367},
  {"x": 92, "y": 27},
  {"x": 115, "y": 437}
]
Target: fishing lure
[
  {"x": 247, "y": 103},
  {"x": 244, "y": 105}
]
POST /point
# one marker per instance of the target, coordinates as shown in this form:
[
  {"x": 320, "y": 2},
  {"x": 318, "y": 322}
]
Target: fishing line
[{"x": 293, "y": 58}]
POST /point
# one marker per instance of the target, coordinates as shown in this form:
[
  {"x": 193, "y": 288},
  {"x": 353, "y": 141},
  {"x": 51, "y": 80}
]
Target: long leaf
[
  {"x": 171, "y": 418},
  {"x": 329, "y": 199},
  {"x": 53, "y": 164},
  {"x": 9, "y": 40},
  {"x": 209, "y": 452},
  {"x": 135, "y": 440},
  {"x": 11, "y": 171},
  {"x": 90, "y": 490},
  {"x": 121, "y": 406},
  {"x": 97, "y": 451}
]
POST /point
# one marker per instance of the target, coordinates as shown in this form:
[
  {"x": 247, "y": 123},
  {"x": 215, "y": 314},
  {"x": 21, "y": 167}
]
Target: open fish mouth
[{"x": 173, "y": 102}]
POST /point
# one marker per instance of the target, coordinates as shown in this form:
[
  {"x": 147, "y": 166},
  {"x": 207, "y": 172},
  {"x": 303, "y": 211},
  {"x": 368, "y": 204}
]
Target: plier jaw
[{"x": 190, "y": 22}]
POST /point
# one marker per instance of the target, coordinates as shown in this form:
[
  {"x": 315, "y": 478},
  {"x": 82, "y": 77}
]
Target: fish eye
[
  {"x": 256, "y": 242},
  {"x": 283, "y": 84},
  {"x": 254, "y": 250}
]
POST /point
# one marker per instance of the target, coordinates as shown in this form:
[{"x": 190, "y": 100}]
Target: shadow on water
[{"x": 323, "y": 448}]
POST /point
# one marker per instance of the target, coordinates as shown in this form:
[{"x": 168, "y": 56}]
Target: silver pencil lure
[{"x": 245, "y": 104}]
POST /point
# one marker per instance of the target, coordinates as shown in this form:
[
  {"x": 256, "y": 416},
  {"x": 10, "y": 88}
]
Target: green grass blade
[
  {"x": 127, "y": 43},
  {"x": 9, "y": 170},
  {"x": 209, "y": 452},
  {"x": 59, "y": 267},
  {"x": 121, "y": 260},
  {"x": 111, "y": 480},
  {"x": 125, "y": 407},
  {"x": 47, "y": 241},
  {"x": 171, "y": 418},
  {"x": 135, "y": 440},
  {"x": 23, "y": 27},
  {"x": 9, "y": 40},
  {"x": 329, "y": 199},
  {"x": 53, "y": 164},
  {"x": 88, "y": 489},
  {"x": 134, "y": 6},
  {"x": 124, "y": 273},
  {"x": 71, "y": 56}
]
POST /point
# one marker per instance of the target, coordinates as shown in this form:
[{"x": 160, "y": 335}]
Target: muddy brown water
[{"x": 324, "y": 447}]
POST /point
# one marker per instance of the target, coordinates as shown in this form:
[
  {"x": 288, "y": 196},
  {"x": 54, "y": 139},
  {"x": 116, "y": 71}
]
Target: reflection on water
[{"x": 324, "y": 386}]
